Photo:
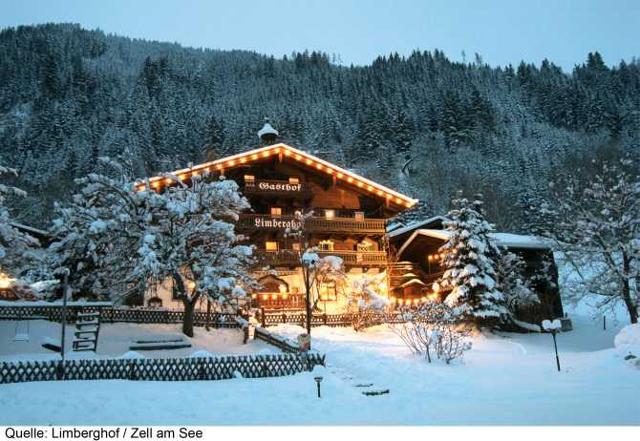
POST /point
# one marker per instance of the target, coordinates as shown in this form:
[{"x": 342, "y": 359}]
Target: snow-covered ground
[
  {"x": 504, "y": 379},
  {"x": 115, "y": 339}
]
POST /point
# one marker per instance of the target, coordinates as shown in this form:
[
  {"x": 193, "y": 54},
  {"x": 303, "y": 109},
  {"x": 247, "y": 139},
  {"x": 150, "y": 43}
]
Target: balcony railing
[
  {"x": 313, "y": 224},
  {"x": 277, "y": 188},
  {"x": 350, "y": 258}
]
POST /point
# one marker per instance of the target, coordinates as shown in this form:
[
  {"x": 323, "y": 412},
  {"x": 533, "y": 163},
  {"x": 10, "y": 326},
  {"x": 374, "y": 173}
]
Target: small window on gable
[
  {"x": 329, "y": 214},
  {"x": 359, "y": 215},
  {"x": 249, "y": 179},
  {"x": 294, "y": 180},
  {"x": 276, "y": 211},
  {"x": 271, "y": 246}
]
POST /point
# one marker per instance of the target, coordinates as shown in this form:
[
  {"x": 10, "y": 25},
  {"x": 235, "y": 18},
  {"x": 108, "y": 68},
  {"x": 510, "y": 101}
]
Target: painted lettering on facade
[
  {"x": 284, "y": 224},
  {"x": 279, "y": 186}
]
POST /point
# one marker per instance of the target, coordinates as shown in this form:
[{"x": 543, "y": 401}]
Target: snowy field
[
  {"x": 115, "y": 339},
  {"x": 504, "y": 379}
]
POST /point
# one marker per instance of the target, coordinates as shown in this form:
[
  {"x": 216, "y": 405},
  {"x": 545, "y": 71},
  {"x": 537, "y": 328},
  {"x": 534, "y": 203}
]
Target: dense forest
[{"x": 423, "y": 124}]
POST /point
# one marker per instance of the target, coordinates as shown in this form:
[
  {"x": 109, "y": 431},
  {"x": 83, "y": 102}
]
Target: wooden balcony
[
  {"x": 349, "y": 225},
  {"x": 270, "y": 187},
  {"x": 291, "y": 258}
]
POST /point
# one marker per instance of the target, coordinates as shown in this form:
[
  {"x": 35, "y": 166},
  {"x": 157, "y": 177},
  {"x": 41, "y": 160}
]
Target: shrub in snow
[
  {"x": 470, "y": 255},
  {"x": 116, "y": 241},
  {"x": 514, "y": 286},
  {"x": 366, "y": 298},
  {"x": 433, "y": 329}
]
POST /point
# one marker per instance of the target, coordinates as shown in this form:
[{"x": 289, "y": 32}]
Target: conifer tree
[{"x": 470, "y": 255}]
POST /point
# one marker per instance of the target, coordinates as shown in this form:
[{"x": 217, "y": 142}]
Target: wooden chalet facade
[{"x": 348, "y": 217}]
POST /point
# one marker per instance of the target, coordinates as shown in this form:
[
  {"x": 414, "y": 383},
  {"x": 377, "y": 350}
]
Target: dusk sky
[{"x": 501, "y": 31}]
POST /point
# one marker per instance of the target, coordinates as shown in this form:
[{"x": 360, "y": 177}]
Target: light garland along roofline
[{"x": 309, "y": 160}]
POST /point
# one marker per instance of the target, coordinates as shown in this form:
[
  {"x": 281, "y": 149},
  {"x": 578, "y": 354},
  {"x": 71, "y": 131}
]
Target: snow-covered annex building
[{"x": 417, "y": 265}]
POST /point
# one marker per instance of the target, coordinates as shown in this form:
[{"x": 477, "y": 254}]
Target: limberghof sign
[{"x": 284, "y": 224}]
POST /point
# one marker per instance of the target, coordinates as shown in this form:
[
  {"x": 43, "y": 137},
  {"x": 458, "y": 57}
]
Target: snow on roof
[
  {"x": 507, "y": 240},
  {"x": 304, "y": 158},
  {"x": 267, "y": 129},
  {"x": 413, "y": 225},
  {"x": 413, "y": 282}
]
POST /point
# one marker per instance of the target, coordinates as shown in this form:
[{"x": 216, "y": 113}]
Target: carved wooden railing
[
  {"x": 350, "y": 258},
  {"x": 313, "y": 224}
]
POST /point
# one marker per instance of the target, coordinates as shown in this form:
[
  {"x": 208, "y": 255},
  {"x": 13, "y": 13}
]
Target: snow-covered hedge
[{"x": 629, "y": 336}]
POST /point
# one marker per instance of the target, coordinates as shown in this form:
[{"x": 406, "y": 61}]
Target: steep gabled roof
[{"x": 303, "y": 158}]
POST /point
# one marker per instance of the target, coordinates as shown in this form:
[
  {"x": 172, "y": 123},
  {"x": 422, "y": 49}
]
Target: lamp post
[
  {"x": 553, "y": 327},
  {"x": 318, "y": 381}
]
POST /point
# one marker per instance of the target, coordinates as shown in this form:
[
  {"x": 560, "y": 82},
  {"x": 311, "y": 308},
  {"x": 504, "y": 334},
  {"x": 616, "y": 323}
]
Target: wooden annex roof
[{"x": 293, "y": 154}]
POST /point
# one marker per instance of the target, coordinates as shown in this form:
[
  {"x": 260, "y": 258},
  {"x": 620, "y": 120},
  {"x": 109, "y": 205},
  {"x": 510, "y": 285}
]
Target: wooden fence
[
  {"x": 346, "y": 319},
  {"x": 113, "y": 315},
  {"x": 161, "y": 369},
  {"x": 284, "y": 344}
]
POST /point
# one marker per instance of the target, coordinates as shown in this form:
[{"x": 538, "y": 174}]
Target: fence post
[
  {"x": 324, "y": 318},
  {"x": 262, "y": 318}
]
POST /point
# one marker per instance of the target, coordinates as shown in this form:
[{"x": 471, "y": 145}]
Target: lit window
[
  {"x": 359, "y": 215},
  {"x": 249, "y": 179},
  {"x": 325, "y": 245},
  {"x": 294, "y": 180},
  {"x": 329, "y": 214},
  {"x": 271, "y": 246},
  {"x": 296, "y": 246},
  {"x": 276, "y": 211},
  {"x": 328, "y": 291}
]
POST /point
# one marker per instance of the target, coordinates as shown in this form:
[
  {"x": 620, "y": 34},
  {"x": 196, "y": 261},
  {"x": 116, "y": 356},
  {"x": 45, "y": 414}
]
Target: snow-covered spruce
[
  {"x": 470, "y": 256},
  {"x": 117, "y": 242}
]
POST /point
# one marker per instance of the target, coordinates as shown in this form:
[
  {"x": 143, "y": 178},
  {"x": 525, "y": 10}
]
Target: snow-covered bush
[
  {"x": 515, "y": 287},
  {"x": 433, "y": 328},
  {"x": 469, "y": 262},
  {"x": 365, "y": 297},
  {"x": 629, "y": 336}
]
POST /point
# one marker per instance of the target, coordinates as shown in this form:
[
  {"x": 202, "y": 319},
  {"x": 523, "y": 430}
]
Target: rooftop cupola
[{"x": 267, "y": 134}]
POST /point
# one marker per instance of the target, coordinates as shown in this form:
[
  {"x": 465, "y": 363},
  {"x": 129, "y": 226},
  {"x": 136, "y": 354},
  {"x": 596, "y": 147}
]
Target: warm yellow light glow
[
  {"x": 254, "y": 156},
  {"x": 219, "y": 166},
  {"x": 285, "y": 296},
  {"x": 298, "y": 157},
  {"x": 5, "y": 281},
  {"x": 319, "y": 166},
  {"x": 379, "y": 192},
  {"x": 243, "y": 160},
  {"x": 231, "y": 163},
  {"x": 265, "y": 297},
  {"x": 370, "y": 188},
  {"x": 273, "y": 296},
  {"x": 286, "y": 152},
  {"x": 308, "y": 161},
  {"x": 360, "y": 184},
  {"x": 398, "y": 200},
  {"x": 254, "y": 296},
  {"x": 265, "y": 154}
]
